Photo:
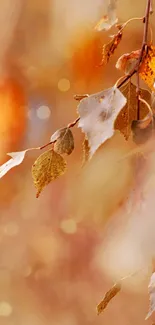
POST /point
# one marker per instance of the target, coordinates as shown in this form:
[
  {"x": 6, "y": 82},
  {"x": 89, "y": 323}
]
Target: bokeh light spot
[
  {"x": 68, "y": 226},
  {"x": 5, "y": 309},
  {"x": 43, "y": 112},
  {"x": 64, "y": 84}
]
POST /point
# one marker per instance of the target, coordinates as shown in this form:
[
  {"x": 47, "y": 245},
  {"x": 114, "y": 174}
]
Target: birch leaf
[
  {"x": 97, "y": 116},
  {"x": 108, "y": 297},
  {"x": 109, "y": 49},
  {"x": 85, "y": 151},
  {"x": 129, "y": 112},
  {"x": 147, "y": 68},
  {"x": 110, "y": 19},
  {"x": 64, "y": 141},
  {"x": 17, "y": 158},
  {"x": 48, "y": 167},
  {"x": 127, "y": 62},
  {"x": 151, "y": 289}
]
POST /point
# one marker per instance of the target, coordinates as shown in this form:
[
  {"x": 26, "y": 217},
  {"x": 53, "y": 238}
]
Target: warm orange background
[{"x": 59, "y": 254}]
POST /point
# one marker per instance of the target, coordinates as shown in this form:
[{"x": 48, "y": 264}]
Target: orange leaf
[
  {"x": 108, "y": 49},
  {"x": 127, "y": 62},
  {"x": 147, "y": 68}
]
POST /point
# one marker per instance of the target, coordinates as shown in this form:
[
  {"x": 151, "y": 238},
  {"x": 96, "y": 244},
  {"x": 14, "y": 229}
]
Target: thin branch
[
  {"x": 70, "y": 125},
  {"x": 144, "y": 44}
]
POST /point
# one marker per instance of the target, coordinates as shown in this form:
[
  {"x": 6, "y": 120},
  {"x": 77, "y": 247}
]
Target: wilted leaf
[
  {"x": 17, "y": 158},
  {"x": 110, "y": 19},
  {"x": 48, "y": 166},
  {"x": 127, "y": 62},
  {"x": 85, "y": 151},
  {"x": 64, "y": 141},
  {"x": 147, "y": 68},
  {"x": 108, "y": 49},
  {"x": 107, "y": 298},
  {"x": 97, "y": 115},
  {"x": 129, "y": 112},
  {"x": 151, "y": 289}
]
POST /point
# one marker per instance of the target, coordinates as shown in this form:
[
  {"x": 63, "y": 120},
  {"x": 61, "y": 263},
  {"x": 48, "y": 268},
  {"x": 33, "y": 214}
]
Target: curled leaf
[
  {"x": 147, "y": 68},
  {"x": 110, "y": 19},
  {"x": 129, "y": 112},
  {"x": 151, "y": 290},
  {"x": 48, "y": 167},
  {"x": 108, "y": 297},
  {"x": 17, "y": 158},
  {"x": 97, "y": 116},
  {"x": 85, "y": 151},
  {"x": 64, "y": 141},
  {"x": 109, "y": 49},
  {"x": 127, "y": 62}
]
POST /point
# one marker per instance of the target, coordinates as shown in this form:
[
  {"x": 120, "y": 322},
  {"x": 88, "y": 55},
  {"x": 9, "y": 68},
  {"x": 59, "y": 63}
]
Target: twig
[
  {"x": 144, "y": 44},
  {"x": 70, "y": 125}
]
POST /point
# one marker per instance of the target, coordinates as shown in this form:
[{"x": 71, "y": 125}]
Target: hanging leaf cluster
[{"x": 125, "y": 106}]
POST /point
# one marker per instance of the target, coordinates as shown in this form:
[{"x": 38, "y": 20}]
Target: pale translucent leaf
[
  {"x": 151, "y": 289},
  {"x": 110, "y": 19},
  {"x": 17, "y": 158},
  {"x": 97, "y": 116}
]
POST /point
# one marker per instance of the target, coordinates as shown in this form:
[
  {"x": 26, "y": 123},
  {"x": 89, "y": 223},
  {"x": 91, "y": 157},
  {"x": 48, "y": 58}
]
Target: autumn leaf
[
  {"x": 109, "y": 49},
  {"x": 17, "y": 158},
  {"x": 108, "y": 297},
  {"x": 129, "y": 112},
  {"x": 97, "y": 116},
  {"x": 86, "y": 149},
  {"x": 147, "y": 68},
  {"x": 127, "y": 62},
  {"x": 110, "y": 19},
  {"x": 48, "y": 167},
  {"x": 64, "y": 141},
  {"x": 151, "y": 290}
]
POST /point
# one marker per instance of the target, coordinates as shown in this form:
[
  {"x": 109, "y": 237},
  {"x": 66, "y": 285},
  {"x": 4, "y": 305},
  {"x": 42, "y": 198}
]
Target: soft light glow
[
  {"x": 43, "y": 112},
  {"x": 68, "y": 226},
  {"x": 64, "y": 84},
  {"x": 11, "y": 229},
  {"x": 5, "y": 309}
]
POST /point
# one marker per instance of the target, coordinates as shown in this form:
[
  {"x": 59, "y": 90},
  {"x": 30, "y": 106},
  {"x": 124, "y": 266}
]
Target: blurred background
[{"x": 60, "y": 253}]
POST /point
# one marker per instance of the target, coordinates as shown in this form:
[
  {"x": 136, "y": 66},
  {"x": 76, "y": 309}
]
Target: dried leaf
[
  {"x": 151, "y": 290},
  {"x": 127, "y": 62},
  {"x": 97, "y": 115},
  {"x": 17, "y": 158},
  {"x": 85, "y": 151},
  {"x": 64, "y": 141},
  {"x": 110, "y": 19},
  {"x": 108, "y": 49},
  {"x": 48, "y": 167},
  {"x": 107, "y": 298},
  {"x": 147, "y": 68},
  {"x": 129, "y": 112}
]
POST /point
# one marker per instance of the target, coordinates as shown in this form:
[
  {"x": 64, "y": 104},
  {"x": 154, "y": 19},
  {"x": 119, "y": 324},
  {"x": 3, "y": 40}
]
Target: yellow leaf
[
  {"x": 129, "y": 112},
  {"x": 108, "y": 49},
  {"x": 147, "y": 68},
  {"x": 64, "y": 141},
  {"x": 107, "y": 298},
  {"x": 48, "y": 166}
]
